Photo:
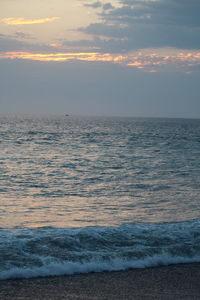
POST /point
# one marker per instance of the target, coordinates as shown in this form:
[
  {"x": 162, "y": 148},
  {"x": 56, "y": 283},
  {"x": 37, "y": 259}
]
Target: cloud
[
  {"x": 107, "y": 6},
  {"x": 164, "y": 12},
  {"x": 147, "y": 24},
  {"x": 23, "y": 21},
  {"x": 23, "y": 35},
  {"x": 12, "y": 43},
  {"x": 92, "y": 56},
  {"x": 99, "y": 4},
  {"x": 149, "y": 61},
  {"x": 96, "y": 4}
]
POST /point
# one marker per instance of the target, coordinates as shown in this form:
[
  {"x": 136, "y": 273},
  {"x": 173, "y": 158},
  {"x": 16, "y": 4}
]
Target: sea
[{"x": 93, "y": 194}]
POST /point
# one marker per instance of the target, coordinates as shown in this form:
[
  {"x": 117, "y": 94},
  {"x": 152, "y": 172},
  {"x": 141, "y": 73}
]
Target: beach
[{"x": 181, "y": 281}]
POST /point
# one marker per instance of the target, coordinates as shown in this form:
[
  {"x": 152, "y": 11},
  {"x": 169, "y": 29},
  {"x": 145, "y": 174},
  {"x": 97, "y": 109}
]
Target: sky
[{"x": 109, "y": 58}]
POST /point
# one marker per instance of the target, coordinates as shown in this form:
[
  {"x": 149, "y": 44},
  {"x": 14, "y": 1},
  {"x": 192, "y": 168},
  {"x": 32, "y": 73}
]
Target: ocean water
[{"x": 82, "y": 194}]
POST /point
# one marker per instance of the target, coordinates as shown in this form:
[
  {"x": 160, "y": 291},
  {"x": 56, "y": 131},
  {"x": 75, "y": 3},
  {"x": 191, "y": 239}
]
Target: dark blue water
[{"x": 84, "y": 194}]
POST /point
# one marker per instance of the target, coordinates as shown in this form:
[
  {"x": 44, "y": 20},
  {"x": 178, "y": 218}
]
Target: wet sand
[{"x": 171, "y": 282}]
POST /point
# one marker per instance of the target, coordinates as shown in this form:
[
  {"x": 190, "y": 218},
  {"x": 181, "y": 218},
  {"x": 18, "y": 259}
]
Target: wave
[
  {"x": 52, "y": 251},
  {"x": 70, "y": 268}
]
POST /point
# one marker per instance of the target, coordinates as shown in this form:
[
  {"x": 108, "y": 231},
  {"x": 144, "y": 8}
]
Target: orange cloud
[
  {"x": 23, "y": 21},
  {"x": 148, "y": 62},
  {"x": 84, "y": 56}
]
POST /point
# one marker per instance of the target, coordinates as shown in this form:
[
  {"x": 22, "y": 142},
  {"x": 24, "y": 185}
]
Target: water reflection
[{"x": 97, "y": 171}]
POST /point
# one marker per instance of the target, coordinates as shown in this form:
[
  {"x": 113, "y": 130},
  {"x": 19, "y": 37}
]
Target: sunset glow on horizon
[
  {"x": 151, "y": 62},
  {"x": 103, "y": 42},
  {"x": 157, "y": 40}
]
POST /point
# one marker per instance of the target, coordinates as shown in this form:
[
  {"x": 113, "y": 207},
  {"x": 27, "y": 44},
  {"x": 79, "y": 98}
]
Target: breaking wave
[{"x": 49, "y": 251}]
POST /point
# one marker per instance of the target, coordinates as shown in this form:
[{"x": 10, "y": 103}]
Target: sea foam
[{"x": 63, "y": 251}]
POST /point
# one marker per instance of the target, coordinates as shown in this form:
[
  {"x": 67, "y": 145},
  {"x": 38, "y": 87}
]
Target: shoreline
[{"x": 179, "y": 281}]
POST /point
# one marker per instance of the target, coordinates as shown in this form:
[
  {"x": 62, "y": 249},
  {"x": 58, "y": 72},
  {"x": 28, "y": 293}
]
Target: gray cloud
[
  {"x": 23, "y": 35},
  {"x": 164, "y": 12},
  {"x": 100, "y": 44},
  {"x": 99, "y": 4},
  {"x": 11, "y": 43},
  {"x": 108, "y": 6},
  {"x": 96, "y": 4},
  {"x": 7, "y": 43},
  {"x": 146, "y": 24}
]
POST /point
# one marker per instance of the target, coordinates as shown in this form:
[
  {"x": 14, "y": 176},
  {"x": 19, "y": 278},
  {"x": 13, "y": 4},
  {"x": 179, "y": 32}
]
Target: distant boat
[{"x": 66, "y": 115}]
